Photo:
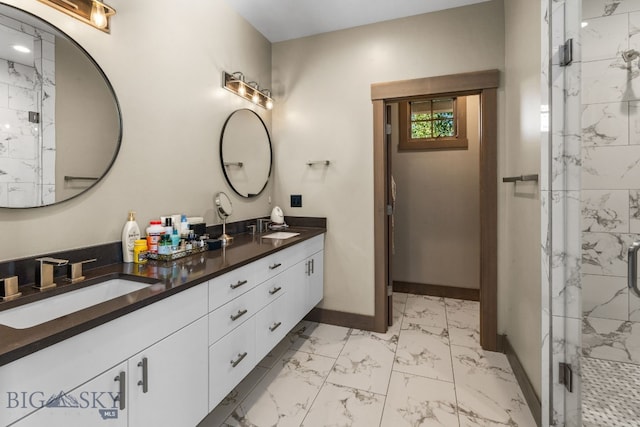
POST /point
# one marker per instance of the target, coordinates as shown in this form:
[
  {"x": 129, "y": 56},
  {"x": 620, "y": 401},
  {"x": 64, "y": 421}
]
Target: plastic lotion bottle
[{"x": 130, "y": 233}]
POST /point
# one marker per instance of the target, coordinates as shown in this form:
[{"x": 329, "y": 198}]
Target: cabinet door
[
  {"x": 316, "y": 280},
  {"x": 168, "y": 381},
  {"x": 95, "y": 403},
  {"x": 272, "y": 324},
  {"x": 299, "y": 290},
  {"x": 230, "y": 360}
]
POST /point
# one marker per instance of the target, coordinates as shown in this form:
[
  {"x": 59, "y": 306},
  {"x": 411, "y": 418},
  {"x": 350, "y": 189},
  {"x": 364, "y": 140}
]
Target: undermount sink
[
  {"x": 38, "y": 312},
  {"x": 280, "y": 235}
]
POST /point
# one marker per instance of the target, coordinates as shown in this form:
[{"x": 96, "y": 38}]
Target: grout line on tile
[
  {"x": 393, "y": 363},
  {"x": 453, "y": 371},
  {"x": 324, "y": 381}
]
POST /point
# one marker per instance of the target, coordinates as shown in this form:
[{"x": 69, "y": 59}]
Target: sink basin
[
  {"x": 280, "y": 235},
  {"x": 35, "y": 313}
]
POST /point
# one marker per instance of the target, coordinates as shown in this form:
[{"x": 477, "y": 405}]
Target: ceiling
[{"x": 280, "y": 20}]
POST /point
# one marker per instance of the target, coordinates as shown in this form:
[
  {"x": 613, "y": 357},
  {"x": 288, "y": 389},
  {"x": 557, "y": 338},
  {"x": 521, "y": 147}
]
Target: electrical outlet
[{"x": 296, "y": 200}]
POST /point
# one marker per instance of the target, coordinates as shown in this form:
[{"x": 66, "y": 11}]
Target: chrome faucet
[
  {"x": 44, "y": 272},
  {"x": 263, "y": 224}
]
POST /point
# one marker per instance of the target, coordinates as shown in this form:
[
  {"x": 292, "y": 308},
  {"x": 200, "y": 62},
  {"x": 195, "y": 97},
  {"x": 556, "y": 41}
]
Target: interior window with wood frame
[{"x": 433, "y": 124}]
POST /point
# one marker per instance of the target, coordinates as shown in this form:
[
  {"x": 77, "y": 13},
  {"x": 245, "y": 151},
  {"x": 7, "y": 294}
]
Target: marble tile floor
[{"x": 427, "y": 370}]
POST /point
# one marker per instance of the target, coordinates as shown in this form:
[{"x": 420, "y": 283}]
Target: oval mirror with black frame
[
  {"x": 60, "y": 122},
  {"x": 246, "y": 153}
]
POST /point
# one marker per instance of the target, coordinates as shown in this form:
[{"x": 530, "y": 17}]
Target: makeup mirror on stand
[{"x": 224, "y": 209}]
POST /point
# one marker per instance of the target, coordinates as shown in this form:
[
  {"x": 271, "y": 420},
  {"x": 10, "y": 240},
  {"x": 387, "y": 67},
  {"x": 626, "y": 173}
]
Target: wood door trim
[
  {"x": 468, "y": 294},
  {"x": 450, "y": 84},
  {"x": 489, "y": 220},
  {"x": 379, "y": 231},
  {"x": 484, "y": 83}
]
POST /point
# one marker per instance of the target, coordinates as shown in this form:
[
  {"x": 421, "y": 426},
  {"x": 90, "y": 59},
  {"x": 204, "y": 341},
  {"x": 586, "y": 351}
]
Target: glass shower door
[{"x": 595, "y": 149}]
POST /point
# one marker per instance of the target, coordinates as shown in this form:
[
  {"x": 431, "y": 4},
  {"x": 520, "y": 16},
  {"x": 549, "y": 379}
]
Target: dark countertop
[{"x": 168, "y": 277}]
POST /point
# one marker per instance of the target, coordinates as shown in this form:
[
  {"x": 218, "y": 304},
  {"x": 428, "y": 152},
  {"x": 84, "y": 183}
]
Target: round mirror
[
  {"x": 223, "y": 205},
  {"x": 245, "y": 153},
  {"x": 60, "y": 124}
]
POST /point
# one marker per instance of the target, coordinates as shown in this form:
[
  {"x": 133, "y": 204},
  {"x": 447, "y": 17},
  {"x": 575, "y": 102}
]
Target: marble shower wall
[
  {"x": 610, "y": 201},
  {"x": 27, "y": 150}
]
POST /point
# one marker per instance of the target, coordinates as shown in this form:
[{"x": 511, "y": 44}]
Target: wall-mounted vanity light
[
  {"x": 92, "y": 12},
  {"x": 251, "y": 91}
]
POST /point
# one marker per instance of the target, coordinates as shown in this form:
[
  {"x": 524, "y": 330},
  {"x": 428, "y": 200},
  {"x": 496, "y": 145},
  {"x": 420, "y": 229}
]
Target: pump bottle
[{"x": 130, "y": 233}]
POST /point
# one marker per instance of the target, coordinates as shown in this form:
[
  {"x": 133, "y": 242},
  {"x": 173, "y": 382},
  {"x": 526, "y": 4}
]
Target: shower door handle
[{"x": 632, "y": 268}]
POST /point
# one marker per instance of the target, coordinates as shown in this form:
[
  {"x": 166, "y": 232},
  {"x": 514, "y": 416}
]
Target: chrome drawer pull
[
  {"x": 241, "y": 313},
  {"x": 234, "y": 363},
  {"x": 122, "y": 398},
  {"x": 275, "y": 290},
  {"x": 275, "y": 326},
  {"x": 274, "y": 266},
  {"x": 237, "y": 285},
  {"x": 144, "y": 364}
]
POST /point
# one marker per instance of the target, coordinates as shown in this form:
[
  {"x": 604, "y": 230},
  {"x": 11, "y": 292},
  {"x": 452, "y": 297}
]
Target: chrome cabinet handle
[
  {"x": 275, "y": 326},
  {"x": 307, "y": 267},
  {"x": 145, "y": 375},
  {"x": 275, "y": 290},
  {"x": 632, "y": 268},
  {"x": 313, "y": 265},
  {"x": 234, "y": 363},
  {"x": 240, "y": 313},
  {"x": 122, "y": 397},
  {"x": 237, "y": 285},
  {"x": 274, "y": 266}
]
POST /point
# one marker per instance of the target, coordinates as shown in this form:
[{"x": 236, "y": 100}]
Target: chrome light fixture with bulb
[
  {"x": 235, "y": 82},
  {"x": 92, "y": 12}
]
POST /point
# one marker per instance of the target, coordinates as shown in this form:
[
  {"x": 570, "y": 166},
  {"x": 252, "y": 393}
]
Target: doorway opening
[{"x": 484, "y": 84}]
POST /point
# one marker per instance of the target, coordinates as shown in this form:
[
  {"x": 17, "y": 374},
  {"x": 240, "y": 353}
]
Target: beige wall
[
  {"x": 322, "y": 84},
  {"x": 520, "y": 214},
  {"x": 437, "y": 225},
  {"x": 86, "y": 121},
  {"x": 165, "y": 64}
]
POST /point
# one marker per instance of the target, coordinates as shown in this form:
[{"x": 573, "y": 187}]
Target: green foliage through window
[{"x": 432, "y": 119}]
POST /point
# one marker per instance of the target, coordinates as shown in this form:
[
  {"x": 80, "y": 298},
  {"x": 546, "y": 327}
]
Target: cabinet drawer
[
  {"x": 273, "y": 264},
  {"x": 231, "y": 285},
  {"x": 230, "y": 360},
  {"x": 272, "y": 324},
  {"x": 234, "y": 313},
  {"x": 274, "y": 287}
]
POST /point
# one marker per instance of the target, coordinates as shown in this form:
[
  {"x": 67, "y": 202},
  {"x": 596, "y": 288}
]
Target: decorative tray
[{"x": 175, "y": 255}]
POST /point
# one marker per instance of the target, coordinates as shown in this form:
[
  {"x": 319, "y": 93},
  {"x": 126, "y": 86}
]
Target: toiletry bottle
[
  {"x": 184, "y": 226},
  {"x": 140, "y": 251},
  {"x": 130, "y": 233},
  {"x": 168, "y": 226},
  {"x": 164, "y": 246},
  {"x": 154, "y": 231},
  {"x": 175, "y": 240}
]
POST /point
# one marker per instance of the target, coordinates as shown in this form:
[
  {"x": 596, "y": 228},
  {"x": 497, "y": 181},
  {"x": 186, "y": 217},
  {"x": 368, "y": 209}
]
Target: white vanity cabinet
[
  {"x": 243, "y": 329},
  {"x": 171, "y": 333},
  {"x": 173, "y": 361}
]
